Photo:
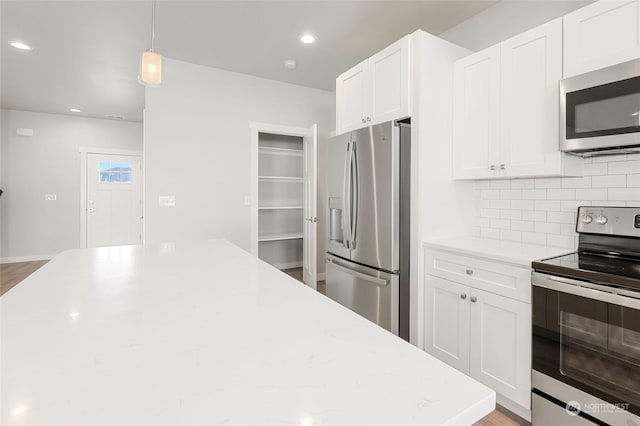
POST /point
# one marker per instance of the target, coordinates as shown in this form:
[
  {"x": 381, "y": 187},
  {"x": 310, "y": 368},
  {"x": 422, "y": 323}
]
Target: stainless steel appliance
[
  {"x": 586, "y": 325},
  {"x": 367, "y": 251},
  {"x": 600, "y": 111}
]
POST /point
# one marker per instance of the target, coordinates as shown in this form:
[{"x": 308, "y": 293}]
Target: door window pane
[{"x": 114, "y": 172}]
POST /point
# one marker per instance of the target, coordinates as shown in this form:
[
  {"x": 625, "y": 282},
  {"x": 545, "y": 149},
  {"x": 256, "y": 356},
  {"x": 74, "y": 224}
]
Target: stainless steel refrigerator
[{"x": 368, "y": 245}]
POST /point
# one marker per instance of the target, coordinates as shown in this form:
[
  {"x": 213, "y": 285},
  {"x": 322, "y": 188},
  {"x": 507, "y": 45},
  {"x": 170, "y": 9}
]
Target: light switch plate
[
  {"x": 167, "y": 201},
  {"x": 50, "y": 197}
]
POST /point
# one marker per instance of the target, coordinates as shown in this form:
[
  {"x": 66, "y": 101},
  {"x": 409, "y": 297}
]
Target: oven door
[
  {"x": 588, "y": 339},
  {"x": 601, "y": 109}
]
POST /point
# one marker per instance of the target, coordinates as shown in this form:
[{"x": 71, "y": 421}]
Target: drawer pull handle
[
  {"x": 474, "y": 299},
  {"x": 469, "y": 272},
  {"x": 463, "y": 296}
]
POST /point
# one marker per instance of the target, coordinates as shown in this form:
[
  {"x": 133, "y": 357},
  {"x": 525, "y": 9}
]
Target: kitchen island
[{"x": 205, "y": 333}]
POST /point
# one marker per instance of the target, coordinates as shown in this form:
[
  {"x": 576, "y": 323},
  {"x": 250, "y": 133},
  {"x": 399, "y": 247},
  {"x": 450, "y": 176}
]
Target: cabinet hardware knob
[
  {"x": 364, "y": 120},
  {"x": 492, "y": 167},
  {"x": 474, "y": 299},
  {"x": 503, "y": 166},
  {"x": 368, "y": 118},
  {"x": 463, "y": 296},
  {"x": 469, "y": 272}
]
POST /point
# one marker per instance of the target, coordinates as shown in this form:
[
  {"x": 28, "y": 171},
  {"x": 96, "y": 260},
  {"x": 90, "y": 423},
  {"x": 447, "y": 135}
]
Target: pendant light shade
[
  {"x": 151, "y": 68},
  {"x": 151, "y": 62}
]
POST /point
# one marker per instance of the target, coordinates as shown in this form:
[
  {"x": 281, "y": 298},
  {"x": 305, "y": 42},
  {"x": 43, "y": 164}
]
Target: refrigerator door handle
[
  {"x": 374, "y": 280},
  {"x": 346, "y": 196},
  {"x": 356, "y": 197}
]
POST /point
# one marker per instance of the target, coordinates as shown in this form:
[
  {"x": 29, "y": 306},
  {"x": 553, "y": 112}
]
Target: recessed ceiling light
[
  {"x": 308, "y": 38},
  {"x": 290, "y": 64},
  {"x": 20, "y": 45},
  {"x": 74, "y": 110}
]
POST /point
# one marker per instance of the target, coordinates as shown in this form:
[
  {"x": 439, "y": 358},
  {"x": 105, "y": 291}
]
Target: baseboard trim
[
  {"x": 288, "y": 265},
  {"x": 516, "y": 409},
  {"x": 33, "y": 258},
  {"x": 322, "y": 277}
]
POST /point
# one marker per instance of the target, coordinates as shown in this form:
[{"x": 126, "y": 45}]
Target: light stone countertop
[
  {"x": 504, "y": 251},
  {"x": 204, "y": 333}
]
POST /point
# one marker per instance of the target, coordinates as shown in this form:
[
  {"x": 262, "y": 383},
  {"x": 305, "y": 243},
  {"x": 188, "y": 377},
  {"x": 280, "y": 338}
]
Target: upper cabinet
[
  {"x": 506, "y": 109},
  {"x": 601, "y": 34},
  {"x": 374, "y": 91}
]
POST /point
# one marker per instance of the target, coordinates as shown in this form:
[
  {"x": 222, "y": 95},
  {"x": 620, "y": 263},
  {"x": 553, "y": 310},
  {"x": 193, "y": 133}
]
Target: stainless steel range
[{"x": 586, "y": 325}]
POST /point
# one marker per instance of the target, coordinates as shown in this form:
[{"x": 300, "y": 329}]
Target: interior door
[
  {"x": 310, "y": 226},
  {"x": 114, "y": 200}
]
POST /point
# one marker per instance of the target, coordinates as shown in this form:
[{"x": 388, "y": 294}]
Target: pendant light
[{"x": 151, "y": 63}]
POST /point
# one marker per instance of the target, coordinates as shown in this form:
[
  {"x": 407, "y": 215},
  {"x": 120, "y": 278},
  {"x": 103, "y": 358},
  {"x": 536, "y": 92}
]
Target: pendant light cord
[{"x": 153, "y": 23}]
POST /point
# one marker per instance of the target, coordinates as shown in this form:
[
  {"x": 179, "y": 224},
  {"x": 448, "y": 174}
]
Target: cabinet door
[
  {"x": 601, "y": 34},
  {"x": 447, "y": 322},
  {"x": 389, "y": 73},
  {"x": 531, "y": 67},
  {"x": 352, "y": 101},
  {"x": 475, "y": 114},
  {"x": 501, "y": 345}
]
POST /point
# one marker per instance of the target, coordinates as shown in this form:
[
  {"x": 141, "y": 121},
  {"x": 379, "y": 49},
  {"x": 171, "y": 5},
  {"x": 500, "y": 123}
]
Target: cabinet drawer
[{"x": 499, "y": 278}]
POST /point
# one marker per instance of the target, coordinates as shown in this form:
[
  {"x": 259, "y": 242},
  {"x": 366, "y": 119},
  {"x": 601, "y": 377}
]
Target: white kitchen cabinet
[
  {"x": 472, "y": 325},
  {"x": 476, "y": 114},
  {"x": 506, "y": 120},
  {"x": 374, "y": 91},
  {"x": 447, "y": 331},
  {"x": 501, "y": 345},
  {"x": 601, "y": 34}
]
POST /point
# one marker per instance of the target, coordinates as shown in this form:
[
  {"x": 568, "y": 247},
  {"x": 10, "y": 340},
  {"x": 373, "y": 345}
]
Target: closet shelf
[
  {"x": 280, "y": 151},
  {"x": 280, "y": 236},
  {"x": 284, "y": 179}
]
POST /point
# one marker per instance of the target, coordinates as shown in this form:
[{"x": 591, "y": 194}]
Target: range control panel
[{"x": 621, "y": 221}]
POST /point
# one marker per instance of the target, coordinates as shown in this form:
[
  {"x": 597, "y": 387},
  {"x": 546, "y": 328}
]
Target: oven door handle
[{"x": 585, "y": 289}]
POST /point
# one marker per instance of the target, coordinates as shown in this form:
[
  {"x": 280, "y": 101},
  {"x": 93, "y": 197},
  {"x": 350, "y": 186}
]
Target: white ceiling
[{"x": 86, "y": 53}]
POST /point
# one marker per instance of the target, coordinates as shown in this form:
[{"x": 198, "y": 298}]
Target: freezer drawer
[{"x": 371, "y": 293}]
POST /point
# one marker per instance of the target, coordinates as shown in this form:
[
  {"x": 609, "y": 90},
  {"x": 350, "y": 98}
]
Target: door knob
[{"x": 91, "y": 209}]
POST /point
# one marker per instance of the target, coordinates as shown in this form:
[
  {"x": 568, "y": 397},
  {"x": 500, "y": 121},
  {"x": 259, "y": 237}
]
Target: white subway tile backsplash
[
  {"x": 624, "y": 167},
  {"x": 561, "y": 217},
  {"x": 561, "y": 194},
  {"x": 561, "y": 241},
  {"x": 548, "y": 205},
  {"x": 591, "y": 194},
  {"x": 500, "y": 184},
  {"x": 522, "y": 225},
  {"x": 522, "y": 184},
  {"x": 547, "y": 227},
  {"x": 534, "y": 238},
  {"x": 534, "y": 194},
  {"x": 595, "y": 169},
  {"x": 536, "y": 216},
  {"x": 500, "y": 204},
  {"x": 522, "y": 204},
  {"x": 609, "y": 181},
  {"x": 633, "y": 180},
  {"x": 510, "y": 194},
  {"x": 624, "y": 194},
  {"x": 543, "y": 210},
  {"x": 579, "y": 182}
]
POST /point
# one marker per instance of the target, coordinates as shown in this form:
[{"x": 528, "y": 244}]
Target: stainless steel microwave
[{"x": 600, "y": 111}]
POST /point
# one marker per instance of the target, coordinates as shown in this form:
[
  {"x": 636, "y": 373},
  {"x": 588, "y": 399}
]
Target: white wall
[
  {"x": 197, "y": 147},
  {"x": 506, "y": 19},
  {"x": 49, "y": 163},
  {"x": 544, "y": 211}
]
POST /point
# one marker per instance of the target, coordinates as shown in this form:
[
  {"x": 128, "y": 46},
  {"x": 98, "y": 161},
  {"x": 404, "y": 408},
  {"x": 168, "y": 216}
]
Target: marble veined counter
[{"x": 203, "y": 333}]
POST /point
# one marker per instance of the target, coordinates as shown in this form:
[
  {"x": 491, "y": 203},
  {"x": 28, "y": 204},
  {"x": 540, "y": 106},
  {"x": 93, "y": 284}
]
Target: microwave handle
[{"x": 584, "y": 289}]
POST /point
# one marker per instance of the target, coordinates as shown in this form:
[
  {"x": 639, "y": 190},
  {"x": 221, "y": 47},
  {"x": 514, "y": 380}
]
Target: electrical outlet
[
  {"x": 50, "y": 197},
  {"x": 167, "y": 201}
]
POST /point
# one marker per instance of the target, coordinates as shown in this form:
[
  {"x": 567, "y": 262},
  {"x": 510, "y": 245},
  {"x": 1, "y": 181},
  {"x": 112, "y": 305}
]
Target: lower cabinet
[{"x": 482, "y": 334}]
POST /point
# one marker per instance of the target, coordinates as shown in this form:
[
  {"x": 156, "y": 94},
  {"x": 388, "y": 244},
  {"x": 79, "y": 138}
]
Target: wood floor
[{"x": 12, "y": 273}]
